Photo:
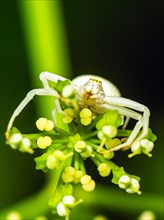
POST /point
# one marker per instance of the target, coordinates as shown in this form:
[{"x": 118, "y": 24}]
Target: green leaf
[
  {"x": 150, "y": 136},
  {"x": 60, "y": 123},
  {"x": 111, "y": 117},
  {"x": 41, "y": 162},
  {"x": 60, "y": 85}
]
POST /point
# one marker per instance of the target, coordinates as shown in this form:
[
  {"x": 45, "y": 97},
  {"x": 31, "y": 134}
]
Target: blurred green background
[{"x": 120, "y": 40}]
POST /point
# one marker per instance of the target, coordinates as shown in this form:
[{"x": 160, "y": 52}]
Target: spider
[{"x": 98, "y": 94}]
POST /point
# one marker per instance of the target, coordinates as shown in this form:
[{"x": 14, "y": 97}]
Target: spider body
[
  {"x": 98, "y": 94},
  {"x": 91, "y": 91}
]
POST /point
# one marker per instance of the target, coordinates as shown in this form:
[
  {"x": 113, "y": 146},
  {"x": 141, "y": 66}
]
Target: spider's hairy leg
[
  {"x": 30, "y": 95},
  {"x": 128, "y": 108}
]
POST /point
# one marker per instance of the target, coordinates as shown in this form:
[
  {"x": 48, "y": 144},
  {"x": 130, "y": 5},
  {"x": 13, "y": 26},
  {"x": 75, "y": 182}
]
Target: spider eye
[{"x": 95, "y": 80}]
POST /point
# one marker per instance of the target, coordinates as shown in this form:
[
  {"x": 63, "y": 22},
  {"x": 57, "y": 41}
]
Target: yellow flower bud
[
  {"x": 89, "y": 187},
  {"x": 87, "y": 183},
  {"x": 104, "y": 169},
  {"x": 86, "y": 116},
  {"x": 85, "y": 113},
  {"x": 68, "y": 174},
  {"x": 69, "y": 115},
  {"x": 44, "y": 142},
  {"x": 77, "y": 176},
  {"x": 52, "y": 162},
  {"x": 85, "y": 121},
  {"x": 49, "y": 125},
  {"x": 44, "y": 124}
]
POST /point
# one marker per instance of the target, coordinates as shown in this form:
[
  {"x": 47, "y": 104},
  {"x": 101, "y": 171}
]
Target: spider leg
[
  {"x": 47, "y": 91},
  {"x": 126, "y": 122},
  {"x": 30, "y": 95},
  {"x": 128, "y": 108},
  {"x": 46, "y": 76}
]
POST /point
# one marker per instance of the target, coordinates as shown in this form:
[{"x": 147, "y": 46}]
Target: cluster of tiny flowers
[
  {"x": 131, "y": 185},
  {"x": 17, "y": 141},
  {"x": 76, "y": 135}
]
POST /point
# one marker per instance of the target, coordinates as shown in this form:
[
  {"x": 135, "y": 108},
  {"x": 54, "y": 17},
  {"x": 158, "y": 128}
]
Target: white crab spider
[{"x": 99, "y": 95}]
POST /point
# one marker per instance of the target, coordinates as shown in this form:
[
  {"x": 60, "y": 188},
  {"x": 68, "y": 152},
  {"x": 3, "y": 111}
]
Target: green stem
[
  {"x": 110, "y": 200},
  {"x": 47, "y": 50},
  {"x": 46, "y": 44}
]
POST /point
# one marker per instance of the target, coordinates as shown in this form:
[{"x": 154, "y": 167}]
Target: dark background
[{"x": 120, "y": 40}]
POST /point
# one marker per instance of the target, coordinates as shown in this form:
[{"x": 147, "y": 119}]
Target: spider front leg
[
  {"x": 46, "y": 91},
  {"x": 47, "y": 76},
  {"x": 128, "y": 108},
  {"x": 30, "y": 95}
]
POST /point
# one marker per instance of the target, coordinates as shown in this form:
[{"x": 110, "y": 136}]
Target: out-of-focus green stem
[
  {"x": 115, "y": 200},
  {"x": 47, "y": 50},
  {"x": 46, "y": 43},
  {"x": 45, "y": 37}
]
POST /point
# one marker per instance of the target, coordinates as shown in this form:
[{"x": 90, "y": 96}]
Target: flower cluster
[{"x": 75, "y": 136}]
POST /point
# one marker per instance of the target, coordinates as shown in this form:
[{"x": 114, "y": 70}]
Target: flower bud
[
  {"x": 147, "y": 145},
  {"x": 104, "y": 169},
  {"x": 109, "y": 130},
  {"x": 44, "y": 142},
  {"x": 69, "y": 115},
  {"x": 80, "y": 146},
  {"x": 14, "y": 140},
  {"x": 68, "y": 200},
  {"x": 124, "y": 181},
  {"x": 44, "y": 124},
  {"x": 85, "y": 116},
  {"x": 52, "y": 162},
  {"x": 62, "y": 210},
  {"x": 26, "y": 146},
  {"x": 87, "y": 183},
  {"x": 134, "y": 187},
  {"x": 67, "y": 91}
]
